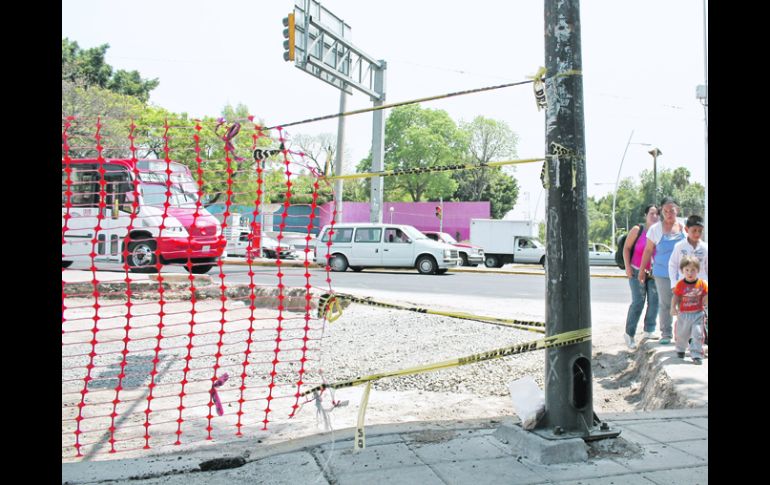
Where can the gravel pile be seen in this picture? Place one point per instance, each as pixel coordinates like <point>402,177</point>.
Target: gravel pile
<point>368,340</point>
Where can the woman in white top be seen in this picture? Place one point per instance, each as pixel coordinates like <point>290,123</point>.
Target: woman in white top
<point>661,239</point>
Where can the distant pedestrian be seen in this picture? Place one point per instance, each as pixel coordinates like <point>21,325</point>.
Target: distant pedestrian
<point>661,239</point>
<point>690,298</point>
<point>692,246</point>
<point>632,256</point>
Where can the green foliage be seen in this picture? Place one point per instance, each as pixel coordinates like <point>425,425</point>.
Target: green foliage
<point>501,192</point>
<point>417,137</point>
<point>633,197</point>
<point>86,68</point>
<point>488,140</point>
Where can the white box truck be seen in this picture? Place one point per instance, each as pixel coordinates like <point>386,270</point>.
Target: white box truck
<point>507,241</point>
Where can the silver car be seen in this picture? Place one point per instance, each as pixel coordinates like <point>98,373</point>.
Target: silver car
<point>600,255</point>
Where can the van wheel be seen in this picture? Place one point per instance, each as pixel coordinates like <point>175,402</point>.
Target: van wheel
<point>200,268</point>
<point>338,262</point>
<point>427,265</point>
<point>464,257</point>
<point>442,271</point>
<point>542,261</point>
<point>66,264</point>
<point>357,269</point>
<point>491,261</point>
<point>141,257</point>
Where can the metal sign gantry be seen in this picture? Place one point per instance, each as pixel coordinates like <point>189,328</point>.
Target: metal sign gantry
<point>320,45</point>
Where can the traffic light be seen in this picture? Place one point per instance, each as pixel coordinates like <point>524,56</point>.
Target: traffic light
<point>438,212</point>
<point>288,34</point>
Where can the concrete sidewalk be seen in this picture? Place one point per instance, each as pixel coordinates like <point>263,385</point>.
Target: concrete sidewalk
<point>661,447</point>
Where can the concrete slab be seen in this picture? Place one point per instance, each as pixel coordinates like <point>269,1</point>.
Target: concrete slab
<point>678,414</point>
<point>461,449</point>
<point>614,480</point>
<point>699,422</point>
<point>345,461</point>
<point>668,431</point>
<point>347,441</point>
<point>541,450</point>
<point>85,472</point>
<point>683,476</point>
<point>298,468</point>
<point>486,472</point>
<point>660,457</point>
<point>697,448</point>
<point>593,469</point>
<point>634,437</point>
<point>392,476</point>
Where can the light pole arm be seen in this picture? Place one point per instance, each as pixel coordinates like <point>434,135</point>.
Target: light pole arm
<point>615,194</point>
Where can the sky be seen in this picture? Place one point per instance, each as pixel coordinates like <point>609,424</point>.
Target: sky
<point>642,62</point>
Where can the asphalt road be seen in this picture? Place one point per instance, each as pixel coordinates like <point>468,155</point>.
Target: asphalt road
<point>497,285</point>
<point>488,284</point>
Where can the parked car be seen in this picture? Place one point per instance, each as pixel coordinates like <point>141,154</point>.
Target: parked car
<point>270,247</point>
<point>600,255</point>
<point>372,245</point>
<point>470,255</point>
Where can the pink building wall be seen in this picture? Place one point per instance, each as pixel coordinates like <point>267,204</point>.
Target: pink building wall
<point>422,215</point>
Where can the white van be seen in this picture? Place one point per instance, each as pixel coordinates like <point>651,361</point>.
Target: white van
<point>371,245</point>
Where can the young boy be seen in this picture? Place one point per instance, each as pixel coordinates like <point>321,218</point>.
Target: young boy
<point>690,296</point>
<point>693,246</point>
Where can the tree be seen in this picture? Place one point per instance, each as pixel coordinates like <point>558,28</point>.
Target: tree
<point>421,138</point>
<point>501,192</point>
<point>317,149</point>
<point>488,140</point>
<point>86,68</point>
<point>633,197</point>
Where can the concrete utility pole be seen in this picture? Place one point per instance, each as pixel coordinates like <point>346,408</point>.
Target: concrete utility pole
<point>568,389</point>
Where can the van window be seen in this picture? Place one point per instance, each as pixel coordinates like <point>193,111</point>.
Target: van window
<point>368,234</point>
<point>394,235</point>
<point>344,234</point>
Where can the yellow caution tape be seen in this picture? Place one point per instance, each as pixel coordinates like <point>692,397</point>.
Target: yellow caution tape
<point>442,168</point>
<point>360,442</point>
<point>559,340</point>
<point>571,72</point>
<point>329,307</point>
<point>539,87</point>
<point>326,301</point>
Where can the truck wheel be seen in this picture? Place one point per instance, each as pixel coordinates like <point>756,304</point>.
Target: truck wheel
<point>427,265</point>
<point>464,257</point>
<point>338,263</point>
<point>491,261</point>
<point>141,256</point>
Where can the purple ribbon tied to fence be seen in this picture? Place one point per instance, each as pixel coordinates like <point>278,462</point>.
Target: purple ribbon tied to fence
<point>215,396</point>
<point>232,130</point>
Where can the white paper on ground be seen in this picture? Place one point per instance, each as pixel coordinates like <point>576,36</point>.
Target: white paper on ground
<point>528,401</point>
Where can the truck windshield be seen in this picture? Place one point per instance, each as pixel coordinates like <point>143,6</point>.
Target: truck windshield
<point>184,190</point>
<point>446,237</point>
<point>155,195</point>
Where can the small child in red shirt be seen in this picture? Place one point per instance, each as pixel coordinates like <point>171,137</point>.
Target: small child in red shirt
<point>690,297</point>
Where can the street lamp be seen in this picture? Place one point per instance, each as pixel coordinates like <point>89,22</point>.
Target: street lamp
<point>391,214</point>
<point>617,180</point>
<point>655,152</point>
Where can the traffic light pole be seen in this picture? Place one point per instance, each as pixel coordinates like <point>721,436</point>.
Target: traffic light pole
<point>338,158</point>
<point>568,376</point>
<point>378,145</point>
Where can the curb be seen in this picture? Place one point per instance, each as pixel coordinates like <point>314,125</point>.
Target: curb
<point>297,264</point>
